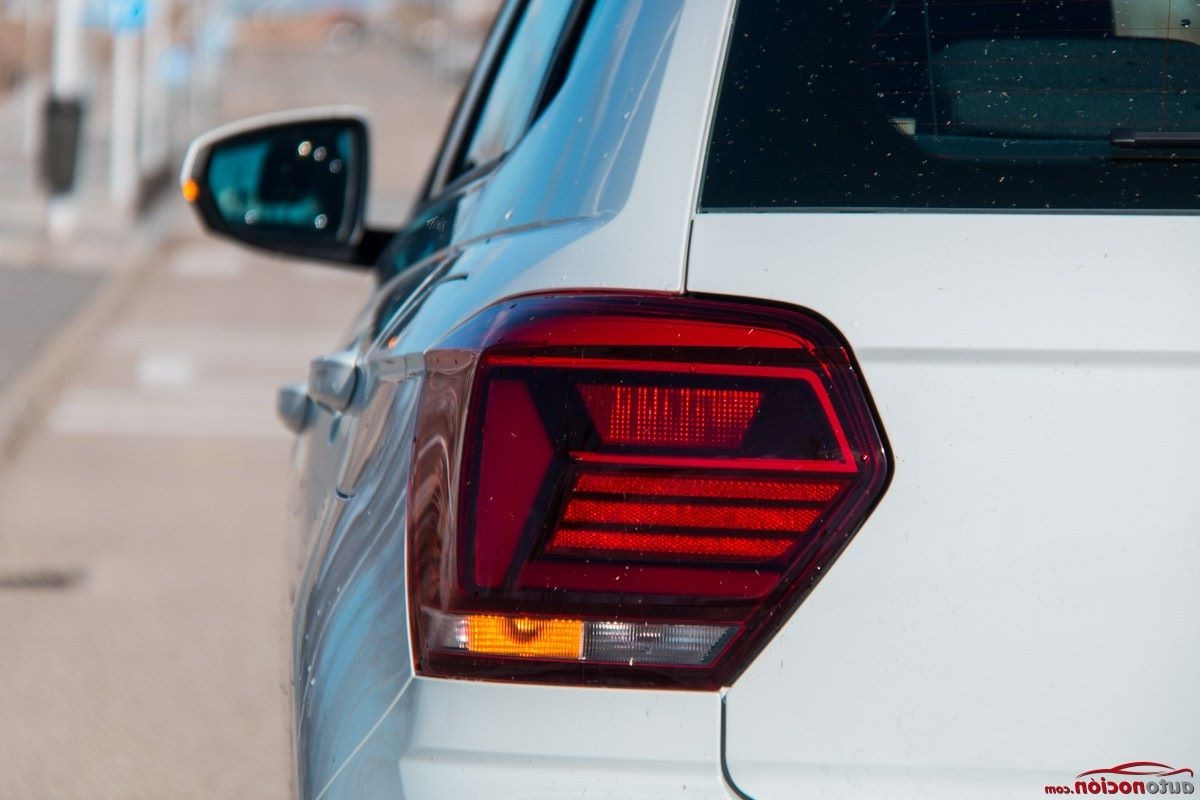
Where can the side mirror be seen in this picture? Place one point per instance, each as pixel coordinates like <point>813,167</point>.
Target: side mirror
<point>293,183</point>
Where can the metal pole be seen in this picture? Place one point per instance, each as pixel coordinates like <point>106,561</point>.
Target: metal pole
<point>207,64</point>
<point>195,21</point>
<point>33,87</point>
<point>124,176</point>
<point>154,90</point>
<point>64,120</point>
<point>68,69</point>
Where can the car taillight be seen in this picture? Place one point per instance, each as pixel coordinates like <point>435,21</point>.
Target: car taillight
<point>630,489</point>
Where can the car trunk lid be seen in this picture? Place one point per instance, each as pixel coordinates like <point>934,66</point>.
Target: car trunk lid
<point>1020,608</point>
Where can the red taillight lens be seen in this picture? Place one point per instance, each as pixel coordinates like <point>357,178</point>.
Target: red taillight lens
<point>630,490</point>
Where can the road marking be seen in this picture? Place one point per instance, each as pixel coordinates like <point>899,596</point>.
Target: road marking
<point>250,344</point>
<point>159,370</point>
<point>217,413</point>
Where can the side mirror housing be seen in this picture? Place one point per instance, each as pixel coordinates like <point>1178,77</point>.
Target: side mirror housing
<point>292,183</point>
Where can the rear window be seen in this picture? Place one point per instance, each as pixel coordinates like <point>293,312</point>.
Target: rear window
<point>959,104</point>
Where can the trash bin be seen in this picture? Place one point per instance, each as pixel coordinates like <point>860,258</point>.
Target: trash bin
<point>60,143</point>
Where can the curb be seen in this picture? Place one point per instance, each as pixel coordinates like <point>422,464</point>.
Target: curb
<point>32,391</point>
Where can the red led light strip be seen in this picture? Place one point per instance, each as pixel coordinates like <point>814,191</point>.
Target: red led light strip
<point>638,514</point>
<point>667,544</point>
<point>799,466</point>
<point>723,487</point>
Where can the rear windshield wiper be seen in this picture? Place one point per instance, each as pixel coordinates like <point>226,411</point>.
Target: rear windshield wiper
<point>1131,139</point>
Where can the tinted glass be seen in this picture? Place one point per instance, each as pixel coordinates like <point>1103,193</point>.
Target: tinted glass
<point>517,85</point>
<point>296,177</point>
<point>979,104</point>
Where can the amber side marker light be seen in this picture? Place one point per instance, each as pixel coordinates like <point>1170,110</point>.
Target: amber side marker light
<point>191,190</point>
<point>630,490</point>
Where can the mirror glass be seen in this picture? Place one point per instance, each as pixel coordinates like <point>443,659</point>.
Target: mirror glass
<point>303,179</point>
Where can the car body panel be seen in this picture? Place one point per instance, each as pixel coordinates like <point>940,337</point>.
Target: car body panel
<point>593,219</point>
<point>465,739</point>
<point>1022,604</point>
<point>1039,282</point>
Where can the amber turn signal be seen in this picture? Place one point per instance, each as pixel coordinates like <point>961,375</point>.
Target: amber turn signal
<point>191,190</point>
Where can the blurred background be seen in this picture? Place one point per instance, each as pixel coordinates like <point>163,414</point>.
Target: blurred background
<point>143,476</point>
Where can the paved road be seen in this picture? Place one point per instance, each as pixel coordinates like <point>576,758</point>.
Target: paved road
<point>142,526</point>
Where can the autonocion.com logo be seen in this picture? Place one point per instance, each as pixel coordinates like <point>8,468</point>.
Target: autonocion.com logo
<point>1136,777</point>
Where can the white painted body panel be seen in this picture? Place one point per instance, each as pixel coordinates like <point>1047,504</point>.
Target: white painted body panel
<point>1022,605</point>
<point>462,739</point>
<point>366,726</point>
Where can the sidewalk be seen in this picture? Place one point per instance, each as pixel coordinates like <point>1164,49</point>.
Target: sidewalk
<point>34,304</point>
<point>50,287</point>
<point>53,304</point>
<point>55,290</point>
<point>143,532</point>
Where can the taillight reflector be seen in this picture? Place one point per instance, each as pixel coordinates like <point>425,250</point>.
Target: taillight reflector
<point>670,416</point>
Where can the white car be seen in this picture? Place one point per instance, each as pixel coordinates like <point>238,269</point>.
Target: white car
<point>766,399</point>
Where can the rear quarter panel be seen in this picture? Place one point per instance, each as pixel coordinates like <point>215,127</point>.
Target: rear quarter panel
<point>599,194</point>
